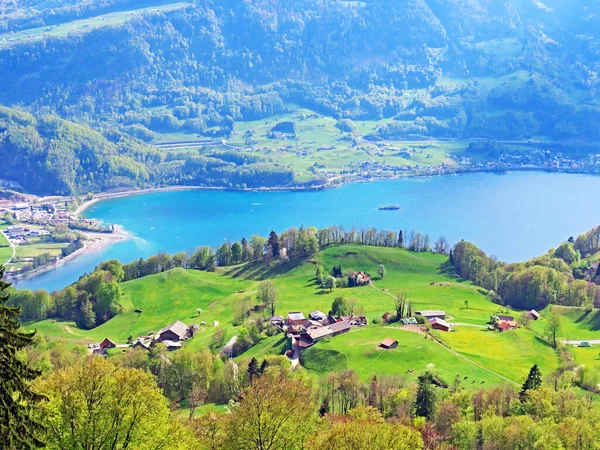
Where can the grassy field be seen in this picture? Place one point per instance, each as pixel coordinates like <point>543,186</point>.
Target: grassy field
<point>510,354</point>
<point>320,145</point>
<point>177,294</point>
<point>576,323</point>
<point>5,249</point>
<point>83,25</point>
<point>359,350</point>
<point>33,250</point>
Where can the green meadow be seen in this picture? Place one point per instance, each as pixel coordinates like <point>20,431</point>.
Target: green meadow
<point>359,350</point>
<point>5,249</point>
<point>152,302</point>
<point>576,323</point>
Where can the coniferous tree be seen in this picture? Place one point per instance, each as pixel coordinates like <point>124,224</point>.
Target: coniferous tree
<point>425,401</point>
<point>253,369</point>
<point>273,243</point>
<point>17,428</point>
<point>533,381</point>
<point>264,366</point>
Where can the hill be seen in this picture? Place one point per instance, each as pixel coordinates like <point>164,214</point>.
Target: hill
<point>504,70</point>
<point>176,295</point>
<point>48,155</point>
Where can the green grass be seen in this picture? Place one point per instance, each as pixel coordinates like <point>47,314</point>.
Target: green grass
<point>176,294</point>
<point>510,354</point>
<point>184,413</point>
<point>359,350</point>
<point>33,250</point>
<point>576,323</point>
<point>306,155</point>
<point>5,249</point>
<point>590,356</point>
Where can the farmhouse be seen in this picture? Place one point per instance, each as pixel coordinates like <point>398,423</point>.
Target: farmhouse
<point>533,314</point>
<point>276,321</point>
<point>432,314</point>
<point>440,324</point>
<point>505,318</point>
<point>359,279</point>
<point>99,352</point>
<point>505,325</point>
<point>176,331</point>
<point>296,318</point>
<point>355,321</point>
<point>388,343</point>
<point>315,334</point>
<point>107,343</point>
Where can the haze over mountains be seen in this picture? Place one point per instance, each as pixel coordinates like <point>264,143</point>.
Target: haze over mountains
<point>501,70</point>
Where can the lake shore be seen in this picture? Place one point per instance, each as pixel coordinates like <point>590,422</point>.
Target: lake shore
<point>93,243</point>
<point>333,183</point>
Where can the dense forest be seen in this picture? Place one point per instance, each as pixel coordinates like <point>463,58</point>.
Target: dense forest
<point>48,155</point>
<point>476,68</point>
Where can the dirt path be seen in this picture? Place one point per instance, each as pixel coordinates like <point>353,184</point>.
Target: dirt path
<point>295,359</point>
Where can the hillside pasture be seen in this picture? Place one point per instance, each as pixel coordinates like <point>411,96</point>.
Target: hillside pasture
<point>359,350</point>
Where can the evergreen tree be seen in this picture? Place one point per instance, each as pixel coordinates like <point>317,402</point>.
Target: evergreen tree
<point>264,366</point>
<point>273,243</point>
<point>451,257</point>
<point>17,429</point>
<point>253,369</point>
<point>533,381</point>
<point>425,401</point>
<point>401,239</point>
<point>373,392</point>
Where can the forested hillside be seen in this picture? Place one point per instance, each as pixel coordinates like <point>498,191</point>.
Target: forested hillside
<point>478,68</point>
<point>52,156</point>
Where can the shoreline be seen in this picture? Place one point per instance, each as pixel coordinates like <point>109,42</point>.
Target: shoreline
<point>343,180</point>
<point>94,242</point>
<point>97,241</point>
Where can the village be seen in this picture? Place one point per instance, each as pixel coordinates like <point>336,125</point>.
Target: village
<point>303,332</point>
<point>39,235</point>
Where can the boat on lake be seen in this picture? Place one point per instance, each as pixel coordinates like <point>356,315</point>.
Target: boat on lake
<point>389,208</point>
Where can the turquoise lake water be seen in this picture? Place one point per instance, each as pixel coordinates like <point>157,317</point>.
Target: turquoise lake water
<point>514,216</point>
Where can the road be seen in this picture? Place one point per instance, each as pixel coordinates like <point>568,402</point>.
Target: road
<point>577,342</point>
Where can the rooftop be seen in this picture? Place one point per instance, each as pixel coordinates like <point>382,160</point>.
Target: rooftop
<point>431,313</point>
<point>177,327</point>
<point>296,316</point>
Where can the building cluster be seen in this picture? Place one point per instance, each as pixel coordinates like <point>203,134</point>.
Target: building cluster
<point>171,336</point>
<point>17,234</point>
<point>306,332</point>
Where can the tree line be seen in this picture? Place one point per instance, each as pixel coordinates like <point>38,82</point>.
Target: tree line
<point>558,277</point>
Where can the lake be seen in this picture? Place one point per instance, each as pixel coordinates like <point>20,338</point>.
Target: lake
<point>514,216</point>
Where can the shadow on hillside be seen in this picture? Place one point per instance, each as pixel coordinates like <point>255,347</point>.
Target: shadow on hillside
<point>594,321</point>
<point>542,341</point>
<point>262,271</point>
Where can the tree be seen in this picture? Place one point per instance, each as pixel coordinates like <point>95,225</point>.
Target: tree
<point>17,427</point>
<point>365,429</point>
<point>533,381</point>
<point>401,239</point>
<point>273,243</point>
<point>236,253</point>
<point>95,402</point>
<point>553,328</point>
<point>267,294</point>
<point>258,246</point>
<point>329,283</point>
<point>253,370</point>
<point>274,413</point>
<point>381,271</point>
<point>400,303</point>
<point>426,398</point>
